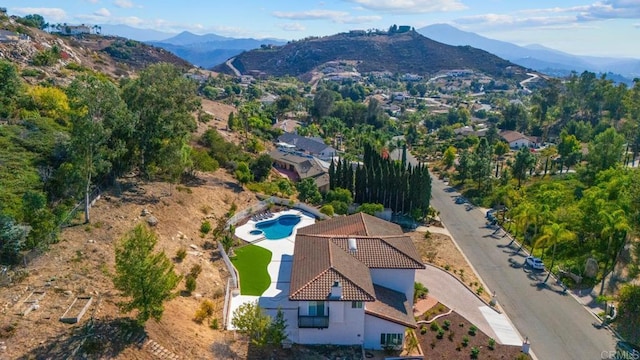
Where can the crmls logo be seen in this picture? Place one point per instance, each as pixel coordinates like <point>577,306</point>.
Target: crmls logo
<point>620,355</point>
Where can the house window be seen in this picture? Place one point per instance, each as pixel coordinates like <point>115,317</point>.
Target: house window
<point>356,304</point>
<point>316,308</point>
<point>391,339</point>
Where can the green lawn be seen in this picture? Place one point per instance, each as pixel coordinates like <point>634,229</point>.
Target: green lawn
<point>251,262</point>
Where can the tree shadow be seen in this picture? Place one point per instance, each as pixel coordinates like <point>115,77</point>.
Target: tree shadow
<point>223,350</point>
<point>96,339</point>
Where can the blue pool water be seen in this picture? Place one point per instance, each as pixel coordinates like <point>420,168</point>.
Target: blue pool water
<point>278,228</point>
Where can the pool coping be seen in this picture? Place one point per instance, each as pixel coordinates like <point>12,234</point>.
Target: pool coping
<point>279,248</point>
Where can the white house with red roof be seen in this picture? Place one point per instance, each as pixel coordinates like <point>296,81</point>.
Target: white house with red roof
<point>352,282</point>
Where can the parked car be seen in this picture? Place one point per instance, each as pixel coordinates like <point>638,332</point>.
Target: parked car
<point>534,262</point>
<point>460,200</point>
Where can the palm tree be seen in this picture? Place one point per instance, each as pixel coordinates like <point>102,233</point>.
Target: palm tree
<point>613,223</point>
<point>551,235</point>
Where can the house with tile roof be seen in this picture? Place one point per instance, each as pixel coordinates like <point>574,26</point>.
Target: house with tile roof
<point>298,166</point>
<point>309,145</point>
<point>352,281</point>
<point>517,140</point>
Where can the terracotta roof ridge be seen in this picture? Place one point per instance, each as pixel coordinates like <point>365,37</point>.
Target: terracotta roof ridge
<point>311,281</point>
<point>364,223</point>
<point>401,252</point>
<point>373,296</point>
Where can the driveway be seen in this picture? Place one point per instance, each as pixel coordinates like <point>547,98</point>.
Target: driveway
<point>450,292</point>
<point>557,326</point>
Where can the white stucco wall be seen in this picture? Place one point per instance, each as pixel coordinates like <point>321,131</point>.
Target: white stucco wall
<point>519,143</point>
<point>343,330</point>
<point>400,280</point>
<point>374,327</point>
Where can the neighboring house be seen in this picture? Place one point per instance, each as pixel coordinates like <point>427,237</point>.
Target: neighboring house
<point>77,29</point>
<point>352,279</point>
<point>298,166</point>
<point>468,130</point>
<point>311,146</point>
<point>517,140</point>
<point>287,125</point>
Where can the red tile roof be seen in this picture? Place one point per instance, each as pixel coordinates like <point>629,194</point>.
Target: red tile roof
<point>391,305</point>
<point>322,256</point>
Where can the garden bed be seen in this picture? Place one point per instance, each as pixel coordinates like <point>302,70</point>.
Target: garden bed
<point>452,337</point>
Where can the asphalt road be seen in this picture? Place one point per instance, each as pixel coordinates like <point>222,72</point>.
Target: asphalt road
<point>557,326</point>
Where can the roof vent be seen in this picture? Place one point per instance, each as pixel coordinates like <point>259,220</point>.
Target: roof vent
<point>353,246</point>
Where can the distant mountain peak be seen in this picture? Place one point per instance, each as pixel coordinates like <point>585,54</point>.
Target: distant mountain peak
<point>535,56</point>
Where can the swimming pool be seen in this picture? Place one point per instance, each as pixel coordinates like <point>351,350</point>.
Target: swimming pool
<point>280,227</point>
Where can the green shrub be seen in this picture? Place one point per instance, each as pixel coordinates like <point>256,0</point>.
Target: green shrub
<point>475,352</point>
<point>446,324</point>
<point>492,343</point>
<point>327,210</point>
<point>451,335</point>
<point>205,227</point>
<point>434,326</point>
<point>214,324</point>
<point>472,330</point>
<point>181,254</point>
<point>31,73</point>
<point>195,270</point>
<point>423,329</point>
<point>190,283</point>
<point>440,334</point>
<point>465,340</point>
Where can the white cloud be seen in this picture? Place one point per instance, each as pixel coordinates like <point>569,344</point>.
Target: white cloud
<point>506,21</point>
<point>311,15</point>
<point>103,12</point>
<point>611,9</point>
<point>410,6</point>
<point>637,25</point>
<point>49,14</point>
<point>292,27</point>
<point>338,17</point>
<point>123,4</point>
<point>358,19</point>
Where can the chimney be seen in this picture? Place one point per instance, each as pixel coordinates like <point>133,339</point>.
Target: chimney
<point>336,291</point>
<point>353,246</point>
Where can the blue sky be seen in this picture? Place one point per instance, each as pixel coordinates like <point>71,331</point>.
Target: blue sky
<point>584,27</point>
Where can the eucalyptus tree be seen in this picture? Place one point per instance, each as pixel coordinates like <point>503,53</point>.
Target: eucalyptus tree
<point>569,150</point>
<point>162,102</point>
<point>524,162</point>
<point>606,150</point>
<point>97,110</point>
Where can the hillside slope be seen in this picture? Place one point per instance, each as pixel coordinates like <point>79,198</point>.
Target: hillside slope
<point>398,53</point>
<point>114,56</point>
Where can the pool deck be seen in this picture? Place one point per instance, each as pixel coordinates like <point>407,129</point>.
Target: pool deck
<point>279,269</point>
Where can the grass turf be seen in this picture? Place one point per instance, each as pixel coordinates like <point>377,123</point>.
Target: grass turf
<point>251,262</point>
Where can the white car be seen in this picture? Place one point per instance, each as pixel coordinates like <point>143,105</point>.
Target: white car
<point>534,262</point>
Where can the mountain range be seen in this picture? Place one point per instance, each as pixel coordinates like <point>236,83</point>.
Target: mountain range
<point>536,57</point>
<point>398,53</point>
<point>210,49</point>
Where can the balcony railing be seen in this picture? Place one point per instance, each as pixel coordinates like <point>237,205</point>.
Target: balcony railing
<point>313,321</point>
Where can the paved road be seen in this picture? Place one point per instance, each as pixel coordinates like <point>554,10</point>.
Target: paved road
<point>557,326</point>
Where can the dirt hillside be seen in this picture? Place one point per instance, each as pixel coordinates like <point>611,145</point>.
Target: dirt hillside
<point>80,264</point>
